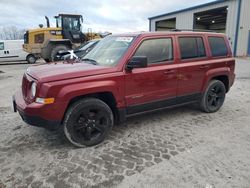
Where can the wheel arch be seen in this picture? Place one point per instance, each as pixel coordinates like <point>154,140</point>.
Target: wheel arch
<point>106,96</point>
<point>28,55</point>
<point>221,74</point>
<point>224,79</point>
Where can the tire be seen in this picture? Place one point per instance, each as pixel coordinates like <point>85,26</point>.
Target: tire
<point>47,60</point>
<point>31,59</point>
<point>88,122</point>
<point>55,50</point>
<point>214,96</point>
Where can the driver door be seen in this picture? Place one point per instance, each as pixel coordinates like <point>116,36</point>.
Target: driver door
<point>154,86</point>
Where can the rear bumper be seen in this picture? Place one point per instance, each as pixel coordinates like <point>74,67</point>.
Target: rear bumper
<point>22,108</point>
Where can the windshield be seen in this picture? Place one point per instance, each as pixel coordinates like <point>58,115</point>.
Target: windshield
<point>71,23</point>
<point>109,50</point>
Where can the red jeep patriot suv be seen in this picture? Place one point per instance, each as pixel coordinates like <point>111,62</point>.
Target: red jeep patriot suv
<point>125,75</point>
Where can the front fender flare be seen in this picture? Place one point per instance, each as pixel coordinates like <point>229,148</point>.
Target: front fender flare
<point>67,93</point>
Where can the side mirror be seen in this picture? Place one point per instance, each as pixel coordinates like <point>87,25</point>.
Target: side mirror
<point>137,62</point>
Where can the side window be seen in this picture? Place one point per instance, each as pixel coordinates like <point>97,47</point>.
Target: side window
<point>39,38</point>
<point>1,46</point>
<point>218,46</point>
<point>191,47</point>
<point>156,50</point>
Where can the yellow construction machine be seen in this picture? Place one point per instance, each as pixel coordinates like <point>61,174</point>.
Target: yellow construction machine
<point>47,42</point>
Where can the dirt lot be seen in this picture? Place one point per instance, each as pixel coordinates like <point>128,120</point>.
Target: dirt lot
<point>182,147</point>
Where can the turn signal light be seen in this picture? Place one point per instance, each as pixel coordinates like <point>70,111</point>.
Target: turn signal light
<point>45,100</point>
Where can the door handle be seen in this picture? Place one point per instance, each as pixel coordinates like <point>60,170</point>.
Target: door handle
<point>169,71</point>
<point>204,66</point>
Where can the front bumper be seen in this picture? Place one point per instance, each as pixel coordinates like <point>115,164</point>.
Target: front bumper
<point>23,109</point>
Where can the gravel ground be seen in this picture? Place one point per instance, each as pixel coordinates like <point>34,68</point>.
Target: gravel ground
<point>181,147</point>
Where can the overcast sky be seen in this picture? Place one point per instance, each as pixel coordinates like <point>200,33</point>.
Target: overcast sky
<point>115,16</point>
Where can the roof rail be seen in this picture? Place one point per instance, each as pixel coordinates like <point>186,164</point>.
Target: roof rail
<point>194,30</point>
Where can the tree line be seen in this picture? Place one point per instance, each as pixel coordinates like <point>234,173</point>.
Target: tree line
<point>11,33</point>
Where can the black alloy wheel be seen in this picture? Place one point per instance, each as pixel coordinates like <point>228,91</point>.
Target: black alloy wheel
<point>214,96</point>
<point>88,122</point>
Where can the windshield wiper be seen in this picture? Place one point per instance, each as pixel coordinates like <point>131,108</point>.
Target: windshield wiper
<point>91,61</point>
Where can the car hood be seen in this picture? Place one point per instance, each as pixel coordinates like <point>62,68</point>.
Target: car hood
<point>61,71</point>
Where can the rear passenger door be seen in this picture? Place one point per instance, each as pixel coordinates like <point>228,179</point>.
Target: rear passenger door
<point>193,65</point>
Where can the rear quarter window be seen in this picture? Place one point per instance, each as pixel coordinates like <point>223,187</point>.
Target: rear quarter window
<point>218,46</point>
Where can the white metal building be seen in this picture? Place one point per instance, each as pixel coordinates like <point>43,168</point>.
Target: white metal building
<point>226,16</point>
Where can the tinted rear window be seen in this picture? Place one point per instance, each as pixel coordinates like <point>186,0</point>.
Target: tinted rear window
<point>191,47</point>
<point>218,46</point>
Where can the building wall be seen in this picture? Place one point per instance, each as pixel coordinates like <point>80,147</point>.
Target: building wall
<point>185,20</point>
<point>244,28</point>
<point>232,21</point>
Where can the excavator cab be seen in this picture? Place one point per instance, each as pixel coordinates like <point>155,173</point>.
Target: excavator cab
<point>71,27</point>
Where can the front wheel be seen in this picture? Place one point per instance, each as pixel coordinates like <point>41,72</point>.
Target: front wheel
<point>214,96</point>
<point>88,122</point>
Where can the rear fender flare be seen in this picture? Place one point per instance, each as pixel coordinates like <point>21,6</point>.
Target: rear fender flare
<point>223,71</point>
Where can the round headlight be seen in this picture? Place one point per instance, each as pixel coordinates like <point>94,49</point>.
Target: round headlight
<point>33,89</point>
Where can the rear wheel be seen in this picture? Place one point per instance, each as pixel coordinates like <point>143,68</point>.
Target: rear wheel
<point>31,58</point>
<point>88,122</point>
<point>56,49</point>
<point>213,97</point>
